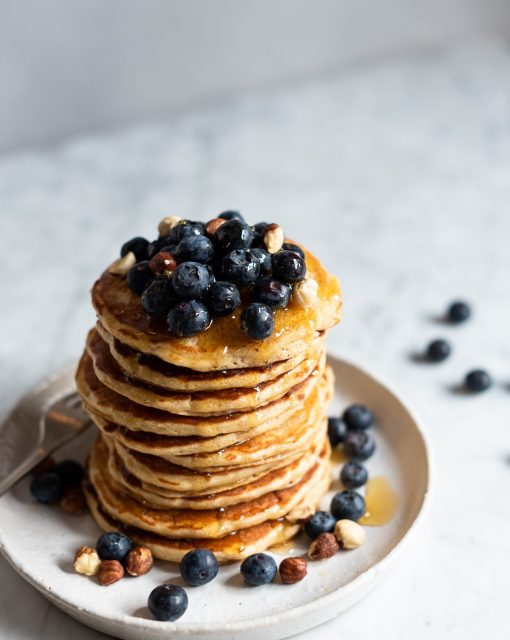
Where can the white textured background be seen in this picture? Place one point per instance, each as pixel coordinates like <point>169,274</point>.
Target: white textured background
<point>398,175</point>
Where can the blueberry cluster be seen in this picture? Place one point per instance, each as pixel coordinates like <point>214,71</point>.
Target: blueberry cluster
<point>195,272</point>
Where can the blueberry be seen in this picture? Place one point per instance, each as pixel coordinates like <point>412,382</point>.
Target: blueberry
<point>359,445</point>
<point>138,246</point>
<point>240,267</point>
<point>139,276</point>
<point>161,244</point>
<point>257,321</point>
<point>320,522</point>
<point>337,431</point>
<point>264,259</point>
<point>196,248</point>
<point>358,417</point>
<point>477,380</point>
<point>274,293</point>
<point>158,297</point>
<point>258,569</point>
<point>289,246</point>
<point>234,234</point>
<point>259,227</point>
<point>187,318</point>
<point>257,233</point>
<point>69,471</point>
<point>353,475</point>
<point>222,298</point>
<point>231,215</point>
<point>190,280</point>
<point>184,229</point>
<point>288,266</point>
<point>47,488</point>
<point>199,567</point>
<point>348,505</point>
<point>167,602</point>
<point>458,312</point>
<point>113,546</point>
<point>438,350</point>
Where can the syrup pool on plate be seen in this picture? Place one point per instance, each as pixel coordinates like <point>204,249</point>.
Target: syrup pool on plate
<point>381,502</point>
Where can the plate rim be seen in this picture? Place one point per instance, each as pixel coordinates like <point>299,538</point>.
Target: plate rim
<point>319,603</point>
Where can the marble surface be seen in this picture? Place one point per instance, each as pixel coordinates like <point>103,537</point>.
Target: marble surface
<point>398,175</point>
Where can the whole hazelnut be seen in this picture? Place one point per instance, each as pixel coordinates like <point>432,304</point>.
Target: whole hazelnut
<point>163,264</point>
<point>323,546</point>
<point>167,224</point>
<point>305,293</point>
<point>292,570</point>
<point>139,561</point>
<point>212,226</point>
<point>273,238</point>
<point>73,500</point>
<point>110,571</point>
<point>122,265</point>
<point>87,561</point>
<point>350,534</point>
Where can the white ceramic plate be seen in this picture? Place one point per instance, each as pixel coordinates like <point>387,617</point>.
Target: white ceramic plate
<point>40,541</point>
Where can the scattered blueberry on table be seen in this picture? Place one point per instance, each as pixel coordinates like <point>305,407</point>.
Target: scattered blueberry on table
<point>254,265</point>
<point>458,312</point>
<point>438,350</point>
<point>199,567</point>
<point>167,602</point>
<point>477,381</point>
<point>258,569</point>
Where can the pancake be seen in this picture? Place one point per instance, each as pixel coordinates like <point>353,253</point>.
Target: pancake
<point>171,446</point>
<point>198,403</point>
<point>235,546</point>
<point>152,370</point>
<point>211,523</point>
<point>272,481</point>
<point>224,345</point>
<point>123,411</point>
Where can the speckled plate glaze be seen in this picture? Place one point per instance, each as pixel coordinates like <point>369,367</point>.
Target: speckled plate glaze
<point>40,541</point>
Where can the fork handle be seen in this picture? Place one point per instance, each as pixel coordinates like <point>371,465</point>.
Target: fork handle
<point>22,469</point>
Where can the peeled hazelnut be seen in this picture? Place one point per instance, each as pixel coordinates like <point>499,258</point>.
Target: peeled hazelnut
<point>110,571</point>
<point>273,238</point>
<point>87,561</point>
<point>292,570</point>
<point>323,546</point>
<point>212,226</point>
<point>139,561</point>
<point>121,266</point>
<point>349,534</point>
<point>305,293</point>
<point>163,263</point>
<point>73,500</point>
<point>167,224</point>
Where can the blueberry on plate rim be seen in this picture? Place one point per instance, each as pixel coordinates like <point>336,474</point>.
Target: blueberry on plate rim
<point>167,602</point>
<point>348,505</point>
<point>199,566</point>
<point>258,569</point>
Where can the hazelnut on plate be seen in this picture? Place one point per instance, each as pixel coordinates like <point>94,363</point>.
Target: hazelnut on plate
<point>350,534</point>
<point>292,570</point>
<point>110,571</point>
<point>324,546</point>
<point>87,561</point>
<point>139,561</point>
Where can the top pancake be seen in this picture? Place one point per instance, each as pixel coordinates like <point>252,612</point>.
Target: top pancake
<point>224,345</point>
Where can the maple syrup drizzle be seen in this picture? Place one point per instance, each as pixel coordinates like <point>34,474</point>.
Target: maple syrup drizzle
<point>381,502</point>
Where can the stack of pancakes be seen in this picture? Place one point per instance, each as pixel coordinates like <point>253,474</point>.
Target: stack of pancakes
<point>216,440</point>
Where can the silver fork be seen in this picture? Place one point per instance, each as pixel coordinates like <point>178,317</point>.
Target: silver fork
<point>62,422</point>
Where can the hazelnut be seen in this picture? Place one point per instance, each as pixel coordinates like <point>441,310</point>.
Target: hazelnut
<point>212,226</point>
<point>73,500</point>
<point>121,266</point>
<point>292,570</point>
<point>323,546</point>
<point>139,561</point>
<point>162,264</point>
<point>273,238</point>
<point>350,534</point>
<point>110,571</point>
<point>87,561</point>
<point>305,293</point>
<point>167,224</point>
